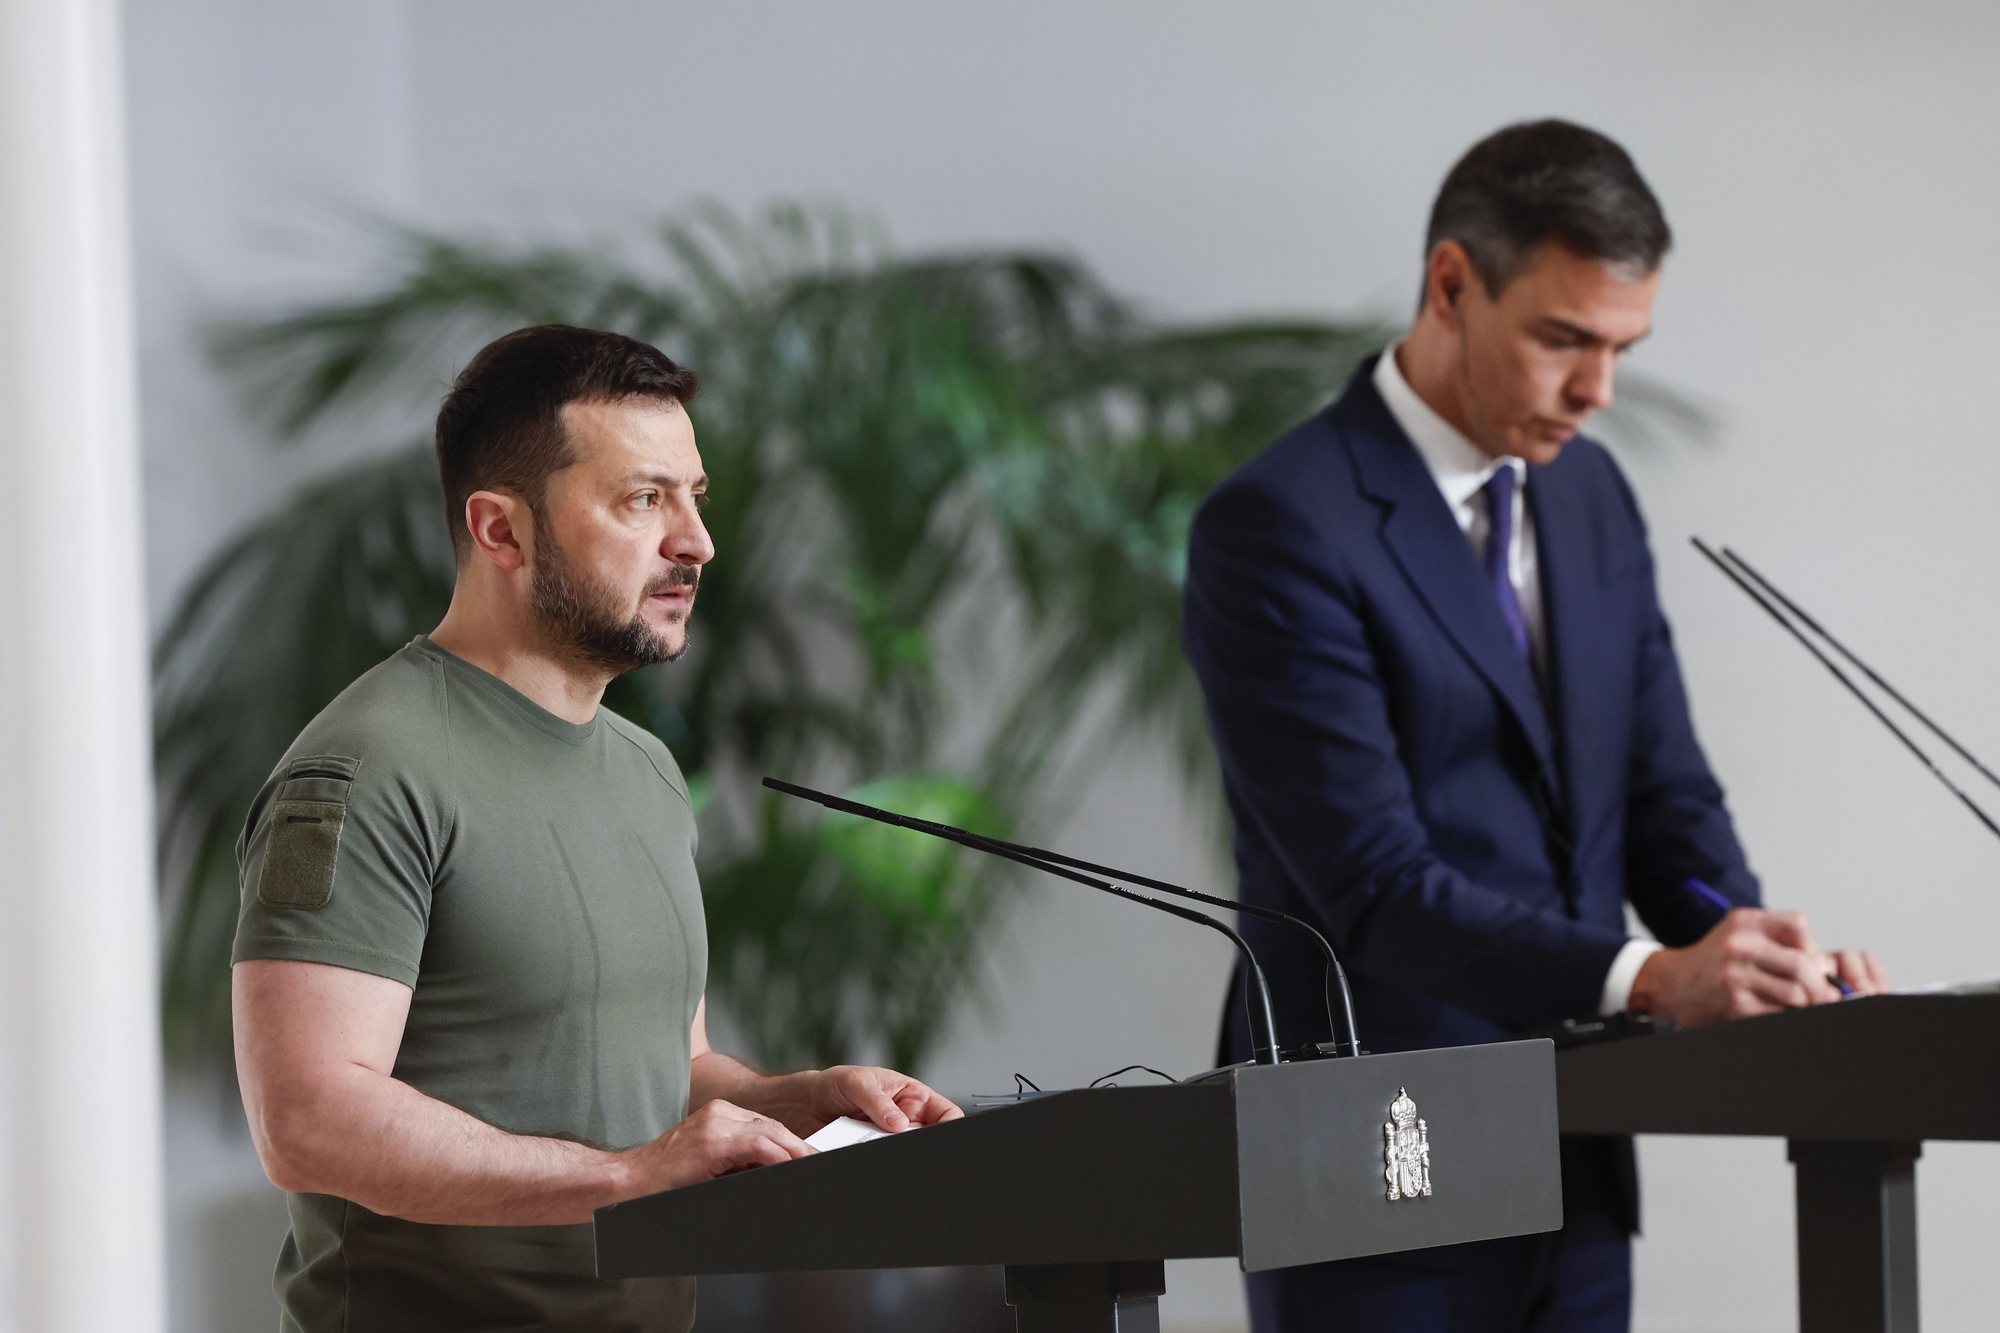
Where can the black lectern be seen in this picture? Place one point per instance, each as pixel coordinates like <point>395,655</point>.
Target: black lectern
<point>1856,1088</point>
<point>1082,1195</point>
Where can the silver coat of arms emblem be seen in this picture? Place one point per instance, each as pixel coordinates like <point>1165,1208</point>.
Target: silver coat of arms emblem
<point>1406,1150</point>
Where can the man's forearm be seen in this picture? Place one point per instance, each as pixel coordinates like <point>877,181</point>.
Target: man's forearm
<point>786,1098</point>
<point>377,1141</point>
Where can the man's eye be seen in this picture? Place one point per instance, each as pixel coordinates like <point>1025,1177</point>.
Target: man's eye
<point>701,499</point>
<point>647,499</point>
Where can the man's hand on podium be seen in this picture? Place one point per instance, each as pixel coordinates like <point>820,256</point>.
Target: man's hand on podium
<point>717,1138</point>
<point>1859,970</point>
<point>1752,962</point>
<point>883,1097</point>
<point>742,1117</point>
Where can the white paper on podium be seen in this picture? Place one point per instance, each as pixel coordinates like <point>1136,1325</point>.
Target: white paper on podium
<point>843,1132</point>
<point>1986,987</point>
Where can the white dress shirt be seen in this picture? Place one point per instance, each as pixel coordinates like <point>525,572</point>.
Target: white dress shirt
<point>1461,470</point>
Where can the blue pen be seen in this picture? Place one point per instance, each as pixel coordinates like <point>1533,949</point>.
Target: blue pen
<point>1723,905</point>
<point>1709,896</point>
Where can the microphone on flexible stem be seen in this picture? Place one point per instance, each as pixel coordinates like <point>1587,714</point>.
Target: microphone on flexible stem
<point>1264,1030</point>
<point>1339,1000</point>
<point>1761,591</point>
<point>1799,613</point>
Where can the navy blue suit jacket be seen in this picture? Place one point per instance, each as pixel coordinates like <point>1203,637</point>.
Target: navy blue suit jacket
<point>1466,837</point>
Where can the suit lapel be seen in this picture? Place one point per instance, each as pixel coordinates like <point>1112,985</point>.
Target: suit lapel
<point>1571,597</point>
<point>1424,539</point>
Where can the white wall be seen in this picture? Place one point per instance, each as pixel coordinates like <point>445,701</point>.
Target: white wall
<point>1826,166</point>
<point>263,137</point>
<point>79,1056</point>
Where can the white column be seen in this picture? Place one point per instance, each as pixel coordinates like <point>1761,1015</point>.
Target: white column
<point>80,1066</point>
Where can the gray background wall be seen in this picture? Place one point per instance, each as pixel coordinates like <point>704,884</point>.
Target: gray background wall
<point>1827,166</point>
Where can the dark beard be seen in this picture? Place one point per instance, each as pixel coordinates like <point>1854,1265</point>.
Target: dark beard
<point>582,617</point>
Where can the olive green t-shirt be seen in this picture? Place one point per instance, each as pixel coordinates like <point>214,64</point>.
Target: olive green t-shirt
<point>532,881</point>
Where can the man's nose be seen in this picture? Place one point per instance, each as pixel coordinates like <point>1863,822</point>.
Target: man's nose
<point>688,543</point>
<point>1590,386</point>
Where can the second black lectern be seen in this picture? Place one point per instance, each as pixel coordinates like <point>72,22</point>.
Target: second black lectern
<point>1083,1195</point>
<point>1856,1087</point>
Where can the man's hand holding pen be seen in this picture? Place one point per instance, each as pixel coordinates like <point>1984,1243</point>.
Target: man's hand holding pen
<point>1751,962</point>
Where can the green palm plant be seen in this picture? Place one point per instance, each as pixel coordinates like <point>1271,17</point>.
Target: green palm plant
<point>950,496</point>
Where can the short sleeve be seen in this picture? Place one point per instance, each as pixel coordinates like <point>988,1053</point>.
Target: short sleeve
<point>336,861</point>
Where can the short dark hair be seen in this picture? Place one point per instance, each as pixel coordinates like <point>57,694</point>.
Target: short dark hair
<point>500,426</point>
<point>1547,180</point>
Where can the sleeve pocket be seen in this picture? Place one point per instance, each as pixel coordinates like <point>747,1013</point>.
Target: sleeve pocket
<point>300,857</point>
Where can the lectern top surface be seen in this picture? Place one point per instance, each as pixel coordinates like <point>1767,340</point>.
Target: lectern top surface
<point>1269,1164</point>
<point>1891,1068</point>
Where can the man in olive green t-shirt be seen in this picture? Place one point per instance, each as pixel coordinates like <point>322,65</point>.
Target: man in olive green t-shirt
<point>470,958</point>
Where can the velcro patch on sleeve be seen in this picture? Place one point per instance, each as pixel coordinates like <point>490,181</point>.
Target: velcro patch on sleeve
<point>300,856</point>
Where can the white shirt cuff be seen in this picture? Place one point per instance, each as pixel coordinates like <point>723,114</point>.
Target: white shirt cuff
<point>1624,971</point>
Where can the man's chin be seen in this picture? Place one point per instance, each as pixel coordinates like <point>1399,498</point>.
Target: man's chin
<point>669,640</point>
<point>668,630</point>
<point>1542,447</point>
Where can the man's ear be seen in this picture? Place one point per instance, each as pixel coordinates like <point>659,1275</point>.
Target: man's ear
<point>501,526</point>
<point>1446,276</point>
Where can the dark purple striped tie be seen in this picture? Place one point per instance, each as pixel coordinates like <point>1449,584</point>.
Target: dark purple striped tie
<point>1499,492</point>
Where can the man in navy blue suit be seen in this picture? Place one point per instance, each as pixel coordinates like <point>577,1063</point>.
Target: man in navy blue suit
<point>1452,728</point>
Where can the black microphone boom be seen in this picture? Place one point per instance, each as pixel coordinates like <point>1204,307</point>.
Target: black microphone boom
<point>1800,614</point>
<point>1340,1021</point>
<point>1263,1025</point>
<point>1743,579</point>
